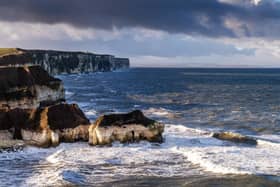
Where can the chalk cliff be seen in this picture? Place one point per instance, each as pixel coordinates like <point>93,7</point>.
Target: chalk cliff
<point>60,62</point>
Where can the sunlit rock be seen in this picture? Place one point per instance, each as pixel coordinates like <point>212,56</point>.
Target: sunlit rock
<point>131,127</point>
<point>28,88</point>
<point>48,126</point>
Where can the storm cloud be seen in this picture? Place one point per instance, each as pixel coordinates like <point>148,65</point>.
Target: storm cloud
<point>211,18</point>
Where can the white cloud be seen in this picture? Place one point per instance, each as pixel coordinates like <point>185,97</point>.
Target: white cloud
<point>147,47</point>
<point>18,31</point>
<point>235,61</point>
<point>242,2</point>
<point>256,2</point>
<point>262,46</point>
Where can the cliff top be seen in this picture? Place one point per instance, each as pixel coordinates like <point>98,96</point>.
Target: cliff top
<point>9,51</point>
<point>16,51</point>
<point>12,77</point>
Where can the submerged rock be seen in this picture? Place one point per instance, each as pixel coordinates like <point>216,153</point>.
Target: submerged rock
<point>28,88</point>
<point>234,137</point>
<point>130,127</point>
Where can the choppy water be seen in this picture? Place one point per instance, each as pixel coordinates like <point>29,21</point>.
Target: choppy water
<point>193,103</point>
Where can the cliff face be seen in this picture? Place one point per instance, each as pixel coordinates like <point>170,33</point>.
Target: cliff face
<point>59,62</point>
<point>33,109</point>
<point>28,87</point>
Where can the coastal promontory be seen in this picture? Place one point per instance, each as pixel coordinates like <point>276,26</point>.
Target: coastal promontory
<point>62,62</point>
<point>34,111</point>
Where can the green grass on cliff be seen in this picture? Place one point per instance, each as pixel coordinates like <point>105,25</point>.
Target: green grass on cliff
<point>8,51</point>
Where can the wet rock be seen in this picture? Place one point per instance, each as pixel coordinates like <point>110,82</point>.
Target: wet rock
<point>48,126</point>
<point>236,138</point>
<point>28,87</point>
<point>32,109</point>
<point>130,127</point>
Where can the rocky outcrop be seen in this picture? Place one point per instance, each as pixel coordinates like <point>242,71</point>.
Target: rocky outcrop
<point>131,127</point>
<point>28,87</point>
<point>32,109</point>
<point>234,137</point>
<point>59,62</point>
<point>48,126</point>
<point>33,112</point>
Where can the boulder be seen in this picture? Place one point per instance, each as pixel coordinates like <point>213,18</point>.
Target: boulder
<point>28,87</point>
<point>234,137</point>
<point>48,126</point>
<point>130,127</point>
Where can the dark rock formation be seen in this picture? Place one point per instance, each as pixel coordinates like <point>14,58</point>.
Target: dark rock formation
<point>32,109</point>
<point>234,137</point>
<point>46,126</point>
<point>28,87</point>
<point>58,62</point>
<point>129,127</point>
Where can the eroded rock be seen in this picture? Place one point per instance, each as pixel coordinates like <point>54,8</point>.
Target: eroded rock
<point>130,127</point>
<point>48,126</point>
<point>234,137</point>
<point>28,88</point>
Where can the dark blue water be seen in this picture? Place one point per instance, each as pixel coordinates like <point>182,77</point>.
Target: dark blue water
<point>242,100</point>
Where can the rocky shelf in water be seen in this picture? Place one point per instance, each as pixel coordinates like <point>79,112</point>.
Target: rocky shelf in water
<point>33,112</point>
<point>62,62</point>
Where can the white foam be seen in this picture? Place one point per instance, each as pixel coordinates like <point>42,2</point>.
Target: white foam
<point>182,152</point>
<point>143,159</point>
<point>68,94</point>
<point>221,157</point>
<point>91,112</point>
<point>160,112</point>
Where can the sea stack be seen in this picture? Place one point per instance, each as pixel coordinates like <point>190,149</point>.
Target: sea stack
<point>130,127</point>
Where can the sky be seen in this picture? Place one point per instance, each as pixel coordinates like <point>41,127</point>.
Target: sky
<point>152,33</point>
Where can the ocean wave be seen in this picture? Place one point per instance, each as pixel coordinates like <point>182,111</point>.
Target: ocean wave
<point>91,113</point>
<point>223,157</point>
<point>185,152</point>
<point>161,112</point>
<point>69,94</point>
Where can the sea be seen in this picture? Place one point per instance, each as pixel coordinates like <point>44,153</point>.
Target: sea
<point>193,103</point>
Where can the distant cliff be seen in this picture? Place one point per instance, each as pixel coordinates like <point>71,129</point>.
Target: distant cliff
<point>62,62</point>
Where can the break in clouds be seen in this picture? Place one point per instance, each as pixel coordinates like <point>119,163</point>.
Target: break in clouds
<point>211,18</point>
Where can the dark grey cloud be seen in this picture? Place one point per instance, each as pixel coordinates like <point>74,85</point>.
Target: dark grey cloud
<point>196,17</point>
